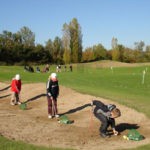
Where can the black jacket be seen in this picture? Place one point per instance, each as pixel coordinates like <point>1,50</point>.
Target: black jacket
<point>102,109</point>
<point>52,88</point>
<point>100,105</point>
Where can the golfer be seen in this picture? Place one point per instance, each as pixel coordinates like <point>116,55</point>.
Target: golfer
<point>106,114</point>
<point>15,90</point>
<point>52,88</point>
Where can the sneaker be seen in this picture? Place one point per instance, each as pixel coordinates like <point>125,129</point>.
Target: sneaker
<point>104,135</point>
<point>57,116</point>
<point>50,116</point>
<point>12,104</point>
<point>19,103</point>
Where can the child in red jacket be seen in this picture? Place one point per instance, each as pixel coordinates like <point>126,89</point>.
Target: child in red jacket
<point>15,90</point>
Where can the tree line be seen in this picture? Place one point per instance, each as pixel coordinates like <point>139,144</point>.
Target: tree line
<point>20,48</point>
<point>118,52</point>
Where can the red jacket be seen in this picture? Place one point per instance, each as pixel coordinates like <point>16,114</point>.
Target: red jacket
<point>16,85</point>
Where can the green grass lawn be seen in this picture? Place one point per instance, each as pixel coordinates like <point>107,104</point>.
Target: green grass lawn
<point>6,144</point>
<point>122,84</point>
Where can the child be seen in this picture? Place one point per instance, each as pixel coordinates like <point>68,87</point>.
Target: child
<point>15,90</point>
<point>52,94</point>
<point>106,114</point>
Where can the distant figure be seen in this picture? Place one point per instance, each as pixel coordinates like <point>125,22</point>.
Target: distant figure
<point>52,89</point>
<point>70,68</point>
<point>59,66</point>
<point>46,68</point>
<point>15,90</point>
<point>31,69</point>
<point>37,69</point>
<point>65,68</point>
<point>28,68</point>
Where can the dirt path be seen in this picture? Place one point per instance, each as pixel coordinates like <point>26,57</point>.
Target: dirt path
<point>34,127</point>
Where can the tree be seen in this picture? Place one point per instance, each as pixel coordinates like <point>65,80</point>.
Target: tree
<point>114,43</point>
<point>40,54</point>
<point>27,37</point>
<point>128,56</point>
<point>72,42</point>
<point>57,50</point>
<point>121,50</point>
<point>66,44</point>
<point>99,52</point>
<point>6,44</point>
<point>147,53</point>
<point>88,55</point>
<point>139,45</point>
<point>115,50</point>
<point>75,41</point>
<point>49,49</point>
<point>115,54</point>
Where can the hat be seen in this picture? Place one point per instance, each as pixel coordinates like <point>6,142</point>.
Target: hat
<point>17,77</point>
<point>53,75</point>
<point>111,107</point>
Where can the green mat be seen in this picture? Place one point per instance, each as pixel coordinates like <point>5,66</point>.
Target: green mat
<point>133,134</point>
<point>23,106</point>
<point>65,120</point>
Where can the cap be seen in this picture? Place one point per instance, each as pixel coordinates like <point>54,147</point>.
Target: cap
<point>17,77</point>
<point>53,75</point>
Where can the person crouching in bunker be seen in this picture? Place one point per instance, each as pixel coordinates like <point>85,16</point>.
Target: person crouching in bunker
<point>106,114</point>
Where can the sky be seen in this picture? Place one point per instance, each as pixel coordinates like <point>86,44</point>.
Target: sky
<point>100,20</point>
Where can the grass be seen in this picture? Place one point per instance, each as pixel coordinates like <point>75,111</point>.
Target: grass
<point>144,147</point>
<point>6,144</point>
<point>122,84</point>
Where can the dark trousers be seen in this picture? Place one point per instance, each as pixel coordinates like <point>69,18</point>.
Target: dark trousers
<point>52,106</point>
<point>15,97</point>
<point>104,122</point>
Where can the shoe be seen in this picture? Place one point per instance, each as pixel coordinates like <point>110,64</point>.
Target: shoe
<point>50,116</point>
<point>104,135</point>
<point>12,104</point>
<point>57,116</point>
<point>19,103</point>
